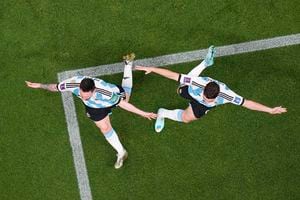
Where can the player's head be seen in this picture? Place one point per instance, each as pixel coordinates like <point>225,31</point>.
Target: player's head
<point>87,87</point>
<point>211,91</point>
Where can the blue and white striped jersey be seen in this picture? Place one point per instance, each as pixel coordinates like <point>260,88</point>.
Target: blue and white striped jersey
<point>196,89</point>
<point>105,95</point>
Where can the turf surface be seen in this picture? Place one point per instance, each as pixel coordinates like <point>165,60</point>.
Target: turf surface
<point>231,154</point>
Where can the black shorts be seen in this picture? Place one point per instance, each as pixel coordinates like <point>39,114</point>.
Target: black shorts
<point>97,114</point>
<point>199,109</point>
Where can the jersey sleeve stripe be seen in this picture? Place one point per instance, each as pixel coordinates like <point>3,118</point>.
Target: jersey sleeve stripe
<point>72,85</point>
<point>179,78</point>
<point>105,92</point>
<point>242,102</point>
<point>225,96</point>
<point>197,84</point>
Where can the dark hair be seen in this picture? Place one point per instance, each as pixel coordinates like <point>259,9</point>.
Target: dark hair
<point>211,90</point>
<point>87,85</point>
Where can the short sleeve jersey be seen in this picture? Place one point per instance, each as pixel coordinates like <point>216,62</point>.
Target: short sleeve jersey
<point>196,88</point>
<point>105,95</point>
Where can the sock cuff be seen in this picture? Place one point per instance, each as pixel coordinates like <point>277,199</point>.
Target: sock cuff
<point>109,133</point>
<point>128,63</point>
<point>179,115</point>
<point>127,90</point>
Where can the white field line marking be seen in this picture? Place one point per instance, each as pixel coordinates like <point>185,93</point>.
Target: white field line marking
<point>191,56</point>
<point>75,141</point>
<point>68,102</point>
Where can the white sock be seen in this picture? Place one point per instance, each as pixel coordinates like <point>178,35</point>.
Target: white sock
<point>113,139</point>
<point>198,69</point>
<point>127,78</point>
<point>175,115</point>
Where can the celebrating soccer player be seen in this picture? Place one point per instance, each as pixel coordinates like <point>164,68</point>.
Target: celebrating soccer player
<point>99,98</point>
<point>204,94</point>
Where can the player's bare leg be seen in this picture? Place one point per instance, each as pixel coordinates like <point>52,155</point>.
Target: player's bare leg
<point>112,138</point>
<point>188,115</point>
<point>208,61</point>
<point>185,116</point>
<point>162,113</point>
<point>127,81</point>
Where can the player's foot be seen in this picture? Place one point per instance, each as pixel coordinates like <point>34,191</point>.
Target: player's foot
<point>121,159</point>
<point>129,58</point>
<point>209,59</point>
<point>160,121</point>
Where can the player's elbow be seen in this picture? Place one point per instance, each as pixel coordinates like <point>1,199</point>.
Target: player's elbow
<point>251,105</point>
<point>247,103</point>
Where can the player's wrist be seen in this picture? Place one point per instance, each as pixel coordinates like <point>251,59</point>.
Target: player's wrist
<point>270,110</point>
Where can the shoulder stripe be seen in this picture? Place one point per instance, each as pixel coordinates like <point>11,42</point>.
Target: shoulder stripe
<point>105,92</point>
<point>197,84</point>
<point>225,96</point>
<point>179,77</point>
<point>72,85</point>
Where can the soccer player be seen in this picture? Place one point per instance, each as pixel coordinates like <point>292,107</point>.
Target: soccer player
<point>204,94</point>
<point>99,97</point>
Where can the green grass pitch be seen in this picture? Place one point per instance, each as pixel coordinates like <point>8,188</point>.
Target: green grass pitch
<point>232,153</point>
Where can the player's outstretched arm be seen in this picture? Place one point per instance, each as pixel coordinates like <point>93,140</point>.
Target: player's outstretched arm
<point>252,105</point>
<point>131,108</point>
<point>49,87</point>
<point>163,72</point>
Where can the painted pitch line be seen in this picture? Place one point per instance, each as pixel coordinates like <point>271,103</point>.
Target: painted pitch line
<point>75,141</point>
<point>68,101</point>
<point>191,56</point>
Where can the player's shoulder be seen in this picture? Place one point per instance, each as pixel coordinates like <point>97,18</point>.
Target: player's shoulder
<point>204,80</point>
<point>103,84</point>
<point>224,89</point>
<point>223,86</point>
<point>75,79</point>
<point>96,80</point>
<point>199,81</point>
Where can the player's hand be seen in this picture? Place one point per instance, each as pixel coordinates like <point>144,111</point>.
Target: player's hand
<point>147,70</point>
<point>278,110</point>
<point>149,116</point>
<point>32,85</point>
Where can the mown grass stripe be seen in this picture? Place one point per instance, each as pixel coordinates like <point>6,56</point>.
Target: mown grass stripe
<point>69,107</point>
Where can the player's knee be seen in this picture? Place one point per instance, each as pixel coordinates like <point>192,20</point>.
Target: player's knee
<point>186,121</point>
<point>104,128</point>
<point>185,118</point>
<point>127,97</point>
